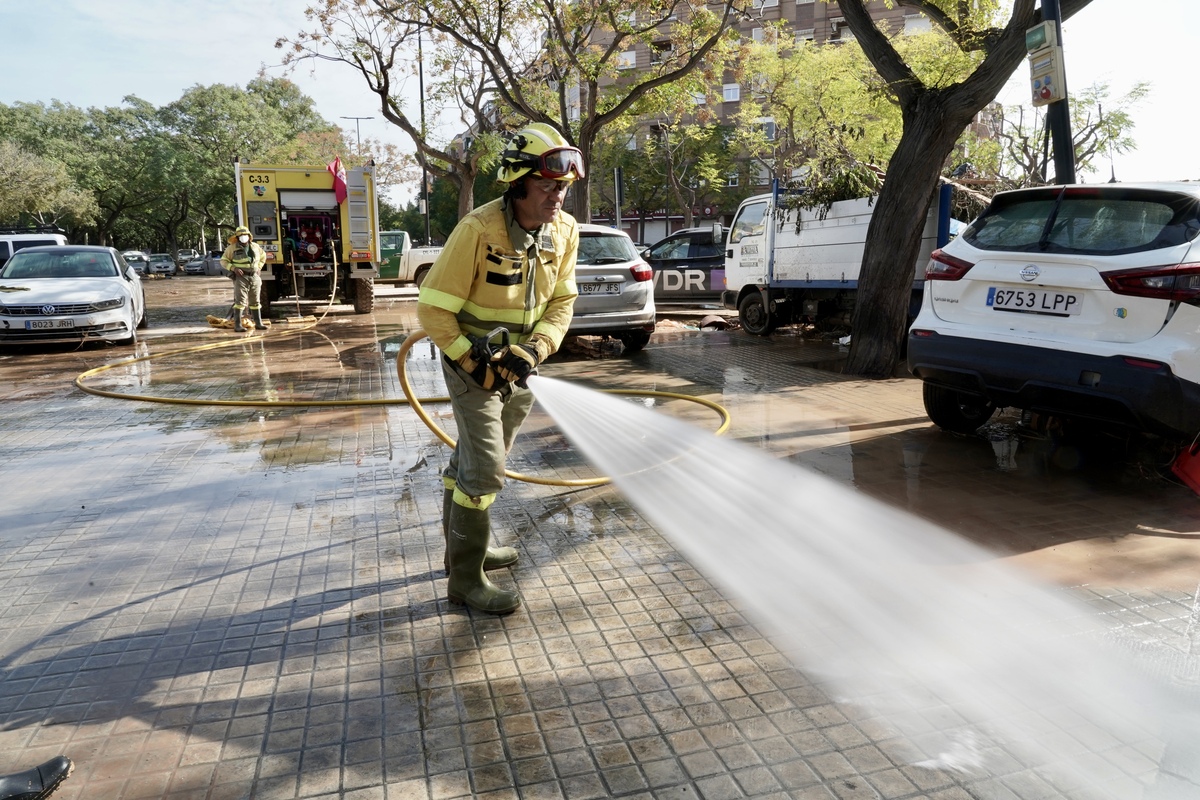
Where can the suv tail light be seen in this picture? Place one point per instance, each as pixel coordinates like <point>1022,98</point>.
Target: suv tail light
<point>641,271</point>
<point>1180,282</point>
<point>944,267</point>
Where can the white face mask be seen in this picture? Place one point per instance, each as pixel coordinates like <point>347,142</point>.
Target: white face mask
<point>244,239</point>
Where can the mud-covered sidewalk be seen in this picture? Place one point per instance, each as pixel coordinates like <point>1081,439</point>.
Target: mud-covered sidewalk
<point>224,601</point>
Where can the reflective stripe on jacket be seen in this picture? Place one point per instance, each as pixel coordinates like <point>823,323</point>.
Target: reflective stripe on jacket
<point>236,257</point>
<point>480,282</point>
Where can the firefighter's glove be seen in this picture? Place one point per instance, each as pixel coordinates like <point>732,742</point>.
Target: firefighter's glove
<point>517,362</point>
<point>480,371</point>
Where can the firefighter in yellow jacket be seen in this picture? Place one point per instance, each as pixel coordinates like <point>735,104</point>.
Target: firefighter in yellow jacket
<point>509,263</point>
<point>244,259</point>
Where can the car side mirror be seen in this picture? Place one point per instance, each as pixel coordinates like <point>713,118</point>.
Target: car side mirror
<point>718,233</point>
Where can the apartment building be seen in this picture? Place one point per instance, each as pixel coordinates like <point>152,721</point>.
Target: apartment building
<point>808,20</point>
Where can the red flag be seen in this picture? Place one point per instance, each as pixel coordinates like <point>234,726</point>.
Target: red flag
<point>339,178</point>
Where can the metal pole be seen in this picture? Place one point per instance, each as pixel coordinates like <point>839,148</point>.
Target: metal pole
<point>357,132</point>
<point>617,186</point>
<point>421,90</point>
<point>1058,114</point>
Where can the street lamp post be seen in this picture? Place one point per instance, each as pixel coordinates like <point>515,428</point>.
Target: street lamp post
<point>357,132</point>
<point>421,92</point>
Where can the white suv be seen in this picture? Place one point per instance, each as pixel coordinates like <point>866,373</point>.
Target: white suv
<point>14,239</point>
<point>1072,301</point>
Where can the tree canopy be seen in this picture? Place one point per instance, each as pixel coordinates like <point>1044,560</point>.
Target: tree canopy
<point>137,176</point>
<point>504,63</point>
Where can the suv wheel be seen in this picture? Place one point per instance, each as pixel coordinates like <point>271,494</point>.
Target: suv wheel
<point>955,411</point>
<point>634,340</point>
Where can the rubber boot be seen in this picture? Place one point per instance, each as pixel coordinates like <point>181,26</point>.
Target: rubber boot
<point>496,558</point>
<point>36,783</point>
<point>470,530</point>
<point>256,314</point>
<point>237,320</point>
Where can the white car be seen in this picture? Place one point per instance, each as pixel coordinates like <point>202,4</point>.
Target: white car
<point>1076,302</point>
<point>162,264</point>
<point>70,294</point>
<point>616,288</point>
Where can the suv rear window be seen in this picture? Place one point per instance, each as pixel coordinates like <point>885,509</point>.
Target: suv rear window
<point>1092,221</point>
<point>605,249</point>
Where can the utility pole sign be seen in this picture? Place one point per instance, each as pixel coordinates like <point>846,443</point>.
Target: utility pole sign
<point>1048,83</point>
<point>1047,75</point>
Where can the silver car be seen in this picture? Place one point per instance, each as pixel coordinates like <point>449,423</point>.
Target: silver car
<point>162,264</point>
<point>616,288</point>
<point>138,260</point>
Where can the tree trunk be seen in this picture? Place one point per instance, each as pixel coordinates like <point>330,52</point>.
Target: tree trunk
<point>581,201</point>
<point>466,194</point>
<point>894,237</point>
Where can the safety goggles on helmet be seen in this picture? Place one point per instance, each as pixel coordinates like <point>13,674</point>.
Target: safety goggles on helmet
<point>555,164</point>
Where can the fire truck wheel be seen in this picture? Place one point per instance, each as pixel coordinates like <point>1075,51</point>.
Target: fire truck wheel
<point>364,295</point>
<point>265,297</point>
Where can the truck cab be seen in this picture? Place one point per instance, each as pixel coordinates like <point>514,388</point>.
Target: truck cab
<point>400,262</point>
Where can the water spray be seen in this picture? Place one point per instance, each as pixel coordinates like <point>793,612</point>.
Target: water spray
<point>970,661</point>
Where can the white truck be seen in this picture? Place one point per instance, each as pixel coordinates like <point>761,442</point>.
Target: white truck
<point>780,269</point>
<point>400,262</point>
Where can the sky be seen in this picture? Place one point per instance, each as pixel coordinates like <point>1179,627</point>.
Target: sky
<point>95,52</point>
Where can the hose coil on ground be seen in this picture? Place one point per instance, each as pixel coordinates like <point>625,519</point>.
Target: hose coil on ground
<point>410,398</point>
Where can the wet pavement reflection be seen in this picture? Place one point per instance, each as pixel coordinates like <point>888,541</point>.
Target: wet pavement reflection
<point>226,601</point>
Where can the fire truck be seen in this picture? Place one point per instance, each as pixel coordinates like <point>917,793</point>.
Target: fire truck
<point>320,230</point>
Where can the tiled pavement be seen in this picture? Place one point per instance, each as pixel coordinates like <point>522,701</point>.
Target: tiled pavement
<point>226,602</point>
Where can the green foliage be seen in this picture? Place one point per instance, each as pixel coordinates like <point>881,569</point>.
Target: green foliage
<point>830,181</point>
<point>157,177</point>
<point>36,189</point>
<point>1101,127</point>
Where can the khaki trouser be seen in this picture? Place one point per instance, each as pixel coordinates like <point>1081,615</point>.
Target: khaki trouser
<point>247,287</point>
<point>488,423</point>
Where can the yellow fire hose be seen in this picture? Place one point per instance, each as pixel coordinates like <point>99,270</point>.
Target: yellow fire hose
<point>517,476</point>
<point>405,386</point>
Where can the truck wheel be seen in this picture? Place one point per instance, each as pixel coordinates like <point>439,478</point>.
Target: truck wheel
<point>754,316</point>
<point>956,411</point>
<point>364,295</point>
<point>419,278</point>
<point>267,296</point>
